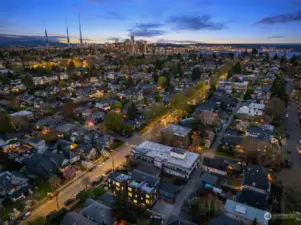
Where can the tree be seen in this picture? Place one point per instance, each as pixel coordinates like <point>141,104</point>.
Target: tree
<point>155,75</point>
<point>98,191</point>
<point>117,105</point>
<point>148,115</point>
<point>179,70</point>
<point>254,51</point>
<point>157,97</point>
<point>128,129</point>
<point>121,208</point>
<point>179,101</point>
<point>237,68</point>
<point>132,111</point>
<point>84,195</point>
<point>162,81</point>
<point>86,181</point>
<point>248,94</point>
<point>54,182</point>
<point>166,137</point>
<point>67,110</point>
<point>113,121</point>
<point>292,198</point>
<point>275,57</point>
<point>5,80</point>
<point>28,82</point>
<point>254,222</point>
<point>196,73</point>
<point>275,108</point>
<point>6,123</point>
<point>207,118</point>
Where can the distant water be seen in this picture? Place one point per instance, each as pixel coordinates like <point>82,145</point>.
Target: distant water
<point>236,53</point>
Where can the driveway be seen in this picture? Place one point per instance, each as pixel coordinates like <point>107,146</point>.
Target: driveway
<point>167,209</point>
<point>221,134</point>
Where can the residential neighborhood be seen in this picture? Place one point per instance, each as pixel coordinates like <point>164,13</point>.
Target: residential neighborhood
<point>155,135</point>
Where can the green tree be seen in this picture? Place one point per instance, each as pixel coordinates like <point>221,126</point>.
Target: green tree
<point>128,129</point>
<point>196,74</point>
<point>179,70</point>
<point>179,101</point>
<point>162,81</point>
<point>117,105</point>
<point>254,51</point>
<point>6,123</point>
<point>132,111</point>
<point>113,121</point>
<point>155,75</point>
<point>237,68</point>
<point>28,81</point>
<point>148,115</point>
<point>254,222</point>
<point>248,94</point>
<point>121,208</point>
<point>98,191</point>
<point>5,80</point>
<point>157,97</point>
<point>84,195</point>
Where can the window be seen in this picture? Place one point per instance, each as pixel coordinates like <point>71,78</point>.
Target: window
<point>147,201</point>
<point>117,188</point>
<point>113,181</point>
<point>130,189</point>
<point>147,196</point>
<point>117,184</point>
<point>130,194</point>
<point>135,201</point>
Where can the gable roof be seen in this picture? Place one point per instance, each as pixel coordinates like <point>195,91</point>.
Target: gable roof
<point>252,198</point>
<point>73,218</point>
<point>216,162</point>
<point>256,176</point>
<point>245,211</point>
<point>97,212</point>
<point>224,220</point>
<point>140,176</point>
<point>107,199</point>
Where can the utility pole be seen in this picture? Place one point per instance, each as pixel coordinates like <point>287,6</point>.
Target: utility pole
<point>113,164</point>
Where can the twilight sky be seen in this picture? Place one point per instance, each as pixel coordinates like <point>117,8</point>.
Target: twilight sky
<point>209,21</point>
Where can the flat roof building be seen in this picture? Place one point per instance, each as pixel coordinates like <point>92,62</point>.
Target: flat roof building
<point>174,161</point>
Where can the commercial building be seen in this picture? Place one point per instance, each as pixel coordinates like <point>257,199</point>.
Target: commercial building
<point>170,160</point>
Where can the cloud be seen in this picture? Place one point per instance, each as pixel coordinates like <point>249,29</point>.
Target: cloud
<point>147,30</point>
<point>177,41</point>
<point>112,16</point>
<point>282,18</point>
<point>112,39</point>
<point>275,37</point>
<point>24,38</point>
<point>194,23</point>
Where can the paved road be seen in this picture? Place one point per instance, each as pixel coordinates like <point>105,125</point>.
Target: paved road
<point>293,130</point>
<point>221,134</point>
<point>119,158</point>
<point>166,209</point>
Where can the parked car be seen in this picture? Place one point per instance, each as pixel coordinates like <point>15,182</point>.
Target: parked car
<point>26,216</point>
<point>108,171</point>
<point>69,201</point>
<point>51,214</point>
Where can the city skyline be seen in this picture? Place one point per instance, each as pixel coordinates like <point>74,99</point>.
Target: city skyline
<point>178,21</point>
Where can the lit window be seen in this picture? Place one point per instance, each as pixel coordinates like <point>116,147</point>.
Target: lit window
<point>135,201</point>
<point>147,196</point>
<point>142,198</point>
<point>117,184</point>
<point>113,181</point>
<point>117,188</point>
<point>147,201</point>
<point>130,194</point>
<point>121,188</point>
<point>130,189</point>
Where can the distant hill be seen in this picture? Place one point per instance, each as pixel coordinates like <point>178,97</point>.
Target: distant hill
<point>30,43</point>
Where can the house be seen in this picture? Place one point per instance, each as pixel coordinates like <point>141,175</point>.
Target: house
<point>98,116</point>
<point>14,185</point>
<point>252,198</point>
<point>215,165</point>
<point>231,141</point>
<point>143,188</point>
<point>38,144</point>
<point>245,213</point>
<point>180,135</point>
<point>253,109</point>
<point>97,212</point>
<point>208,138</point>
<point>224,220</point>
<point>207,106</point>
<point>176,220</point>
<point>211,182</point>
<point>107,199</point>
<point>72,218</point>
<point>148,168</point>
<point>45,165</point>
<point>260,133</point>
<point>256,178</point>
<point>78,136</point>
<point>23,113</point>
<point>117,182</point>
<point>174,161</point>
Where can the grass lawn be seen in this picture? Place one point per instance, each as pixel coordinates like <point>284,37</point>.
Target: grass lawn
<point>8,207</point>
<point>41,188</point>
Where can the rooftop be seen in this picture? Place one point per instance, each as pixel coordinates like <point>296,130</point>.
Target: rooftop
<point>163,153</point>
<point>178,130</point>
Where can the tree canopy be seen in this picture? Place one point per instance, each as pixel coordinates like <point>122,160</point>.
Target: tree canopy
<point>113,121</point>
<point>6,123</point>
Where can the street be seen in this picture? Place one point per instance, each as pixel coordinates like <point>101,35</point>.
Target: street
<point>119,158</point>
<point>293,130</point>
<point>222,132</point>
